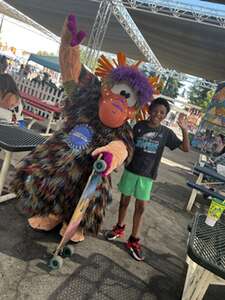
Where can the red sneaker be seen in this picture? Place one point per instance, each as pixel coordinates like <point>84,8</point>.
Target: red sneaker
<point>134,248</point>
<point>117,232</point>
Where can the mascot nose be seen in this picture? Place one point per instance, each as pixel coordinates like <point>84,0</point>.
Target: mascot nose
<point>117,106</point>
<point>123,100</point>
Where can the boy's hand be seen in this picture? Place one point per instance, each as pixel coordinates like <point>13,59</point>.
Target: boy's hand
<point>182,123</point>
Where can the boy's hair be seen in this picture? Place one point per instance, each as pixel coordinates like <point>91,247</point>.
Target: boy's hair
<point>160,101</point>
<point>7,85</point>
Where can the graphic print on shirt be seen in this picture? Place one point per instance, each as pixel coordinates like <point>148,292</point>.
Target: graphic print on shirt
<point>148,142</point>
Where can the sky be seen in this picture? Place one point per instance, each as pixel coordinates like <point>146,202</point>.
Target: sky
<point>25,37</point>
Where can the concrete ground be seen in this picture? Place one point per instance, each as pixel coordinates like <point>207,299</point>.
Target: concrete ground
<point>100,269</point>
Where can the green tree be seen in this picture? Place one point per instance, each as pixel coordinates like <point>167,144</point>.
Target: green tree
<point>171,88</point>
<point>147,70</point>
<point>199,95</point>
<point>83,53</point>
<point>45,53</point>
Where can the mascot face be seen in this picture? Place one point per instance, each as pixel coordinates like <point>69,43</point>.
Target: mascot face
<point>117,104</point>
<point>125,90</point>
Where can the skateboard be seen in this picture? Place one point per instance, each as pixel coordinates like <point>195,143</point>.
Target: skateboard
<point>63,250</point>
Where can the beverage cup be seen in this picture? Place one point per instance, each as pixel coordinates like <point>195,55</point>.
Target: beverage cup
<point>215,211</point>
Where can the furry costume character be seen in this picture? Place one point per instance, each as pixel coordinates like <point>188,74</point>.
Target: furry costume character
<point>52,177</point>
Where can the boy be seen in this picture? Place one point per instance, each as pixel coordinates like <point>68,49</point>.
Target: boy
<point>150,139</point>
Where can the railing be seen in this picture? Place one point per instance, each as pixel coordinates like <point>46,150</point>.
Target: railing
<point>41,103</point>
<point>43,92</point>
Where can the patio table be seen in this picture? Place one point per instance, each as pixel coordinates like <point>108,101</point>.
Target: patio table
<point>202,172</point>
<point>205,257</point>
<point>15,139</point>
<point>205,190</point>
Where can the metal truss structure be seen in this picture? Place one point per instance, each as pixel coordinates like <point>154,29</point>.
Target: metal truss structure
<point>179,9</point>
<point>122,15</point>
<point>100,26</point>
<point>171,8</point>
<point>184,77</point>
<point>8,10</point>
<point>125,20</point>
<point>208,85</point>
<point>98,33</point>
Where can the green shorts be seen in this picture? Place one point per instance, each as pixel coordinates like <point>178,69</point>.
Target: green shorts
<point>134,185</point>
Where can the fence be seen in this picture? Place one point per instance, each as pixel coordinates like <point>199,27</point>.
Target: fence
<point>40,102</point>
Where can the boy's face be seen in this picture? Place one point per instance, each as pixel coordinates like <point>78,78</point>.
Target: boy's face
<point>157,114</point>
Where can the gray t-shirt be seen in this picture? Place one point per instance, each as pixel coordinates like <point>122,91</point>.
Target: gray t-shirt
<point>149,146</point>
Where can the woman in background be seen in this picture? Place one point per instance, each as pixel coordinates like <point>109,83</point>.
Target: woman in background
<point>3,64</point>
<point>10,102</point>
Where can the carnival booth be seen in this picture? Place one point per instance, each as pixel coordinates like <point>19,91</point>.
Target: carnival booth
<point>213,121</point>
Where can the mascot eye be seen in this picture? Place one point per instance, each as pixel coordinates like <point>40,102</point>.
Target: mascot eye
<point>124,90</point>
<point>125,94</point>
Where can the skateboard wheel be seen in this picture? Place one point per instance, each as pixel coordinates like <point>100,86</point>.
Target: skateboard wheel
<point>68,251</point>
<point>100,165</point>
<point>55,262</point>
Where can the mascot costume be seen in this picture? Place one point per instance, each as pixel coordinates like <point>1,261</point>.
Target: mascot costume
<point>51,178</point>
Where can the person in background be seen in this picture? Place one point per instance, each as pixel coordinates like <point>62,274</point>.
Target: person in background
<point>219,145</point>
<point>10,102</point>
<point>150,139</point>
<point>207,141</point>
<point>37,79</point>
<point>3,64</point>
<point>218,155</point>
<point>21,70</point>
<point>26,70</point>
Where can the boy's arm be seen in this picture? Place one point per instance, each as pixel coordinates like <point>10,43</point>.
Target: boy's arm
<point>185,146</point>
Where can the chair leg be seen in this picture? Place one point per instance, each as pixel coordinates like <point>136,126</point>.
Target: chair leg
<point>191,268</point>
<point>31,124</point>
<point>5,168</point>
<point>196,283</point>
<point>194,193</point>
<point>50,119</point>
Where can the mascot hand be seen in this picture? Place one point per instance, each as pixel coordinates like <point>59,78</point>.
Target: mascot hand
<point>69,53</point>
<point>77,37</point>
<point>70,36</point>
<point>114,155</point>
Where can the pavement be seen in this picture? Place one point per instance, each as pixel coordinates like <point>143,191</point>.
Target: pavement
<point>100,269</point>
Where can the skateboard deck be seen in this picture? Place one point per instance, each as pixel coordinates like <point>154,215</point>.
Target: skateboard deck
<point>89,190</point>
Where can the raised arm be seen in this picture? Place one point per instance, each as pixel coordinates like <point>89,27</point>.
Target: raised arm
<point>185,146</point>
<point>69,52</point>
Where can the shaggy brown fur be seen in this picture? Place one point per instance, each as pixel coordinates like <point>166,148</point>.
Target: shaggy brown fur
<point>53,176</point>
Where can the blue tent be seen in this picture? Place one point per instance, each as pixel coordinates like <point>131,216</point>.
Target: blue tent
<point>50,62</point>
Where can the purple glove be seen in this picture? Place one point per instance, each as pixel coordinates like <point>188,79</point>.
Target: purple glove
<point>77,37</point>
<point>107,157</point>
